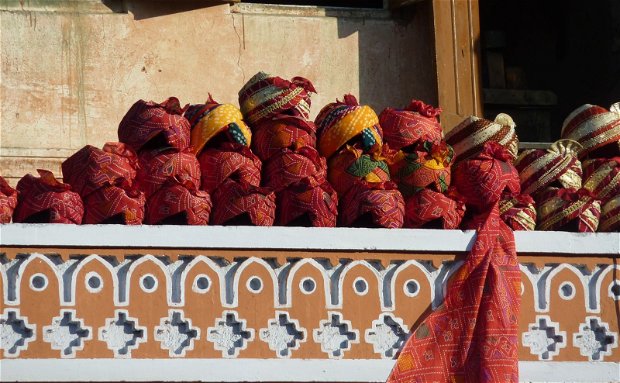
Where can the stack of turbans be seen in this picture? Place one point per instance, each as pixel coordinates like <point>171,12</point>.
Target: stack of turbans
<point>419,162</point>
<point>230,171</point>
<point>285,140</point>
<point>350,137</point>
<point>168,172</point>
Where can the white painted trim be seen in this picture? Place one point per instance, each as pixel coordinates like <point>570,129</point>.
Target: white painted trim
<point>262,370</point>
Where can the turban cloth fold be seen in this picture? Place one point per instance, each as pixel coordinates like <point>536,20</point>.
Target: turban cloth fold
<point>433,210</point>
<point>233,161</point>
<point>307,204</point>
<point>236,203</point>
<point>372,205</point>
<point>91,168</point>
<point>151,125</point>
<point>282,132</point>
<point>468,138</point>
<point>602,177</point>
<point>519,212</point>
<point>8,201</point>
<point>351,166</point>
<point>265,96</point>
<point>483,179</point>
<point>559,164</point>
<point>291,166</point>
<point>44,199</point>
<point>340,123</point>
<point>568,210</point>
<point>178,204</point>
<point>595,128</point>
<point>610,215</point>
<point>417,122</point>
<point>159,166</point>
<point>113,204</point>
<point>210,119</point>
<point>427,166</point>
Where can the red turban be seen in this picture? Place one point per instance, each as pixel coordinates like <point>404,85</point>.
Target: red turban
<point>8,201</point>
<point>610,215</point>
<point>519,212</point>
<point>372,205</point>
<point>568,210</point>
<point>430,209</point>
<point>113,204</point>
<point>230,160</point>
<point>417,122</point>
<point>282,132</point>
<point>602,177</point>
<point>178,204</point>
<point>242,204</point>
<point>595,128</point>
<point>158,166</point>
<point>306,204</point>
<point>291,166</point>
<point>351,166</point>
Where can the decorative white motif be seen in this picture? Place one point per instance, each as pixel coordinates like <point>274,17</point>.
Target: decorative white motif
<point>229,334</point>
<point>613,291</point>
<point>283,334</point>
<point>122,334</point>
<point>594,339</point>
<point>67,333</point>
<point>176,334</point>
<point>334,335</point>
<point>544,338</point>
<point>387,335</point>
<point>15,333</point>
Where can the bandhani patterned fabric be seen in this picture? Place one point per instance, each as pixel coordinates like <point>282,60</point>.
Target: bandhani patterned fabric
<point>113,204</point>
<point>159,125</point>
<point>91,168</point>
<point>178,204</point>
<point>243,204</point>
<point>559,164</point>
<point>602,177</point>
<point>265,96</point>
<point>377,205</point>
<point>568,210</point>
<point>212,118</point>
<point>8,201</point>
<point>159,166</point>
<point>44,199</point>
<point>427,166</point>
<point>351,166</point>
<point>229,161</point>
<point>610,215</point>
<point>307,204</point>
<point>282,132</point>
<point>595,128</point>
<point>417,122</point>
<point>519,212</point>
<point>482,180</point>
<point>473,335</point>
<point>468,137</point>
<point>432,210</point>
<point>340,123</point>
<point>291,166</point>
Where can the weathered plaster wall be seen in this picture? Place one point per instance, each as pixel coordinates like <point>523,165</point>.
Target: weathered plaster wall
<point>67,78</point>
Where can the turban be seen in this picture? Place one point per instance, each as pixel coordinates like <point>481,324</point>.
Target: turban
<point>602,177</point>
<point>159,166</point>
<point>209,119</point>
<point>372,205</point>
<point>282,132</point>
<point>350,166</point>
<point>291,166</point>
<point>307,204</point>
<point>178,205</point>
<point>158,125</point>
<point>595,128</point>
<point>539,168</point>
<point>44,199</point>
<point>418,122</point>
<point>340,122</point>
<point>8,201</point>
<point>568,210</point>
<point>482,180</point>
<point>113,204</point>
<point>519,212</point>
<point>265,96</point>
<point>91,168</point>
<point>468,137</point>
<point>427,166</point>
<point>237,203</point>
<point>430,209</point>
<point>229,161</point>
<point>610,215</point>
